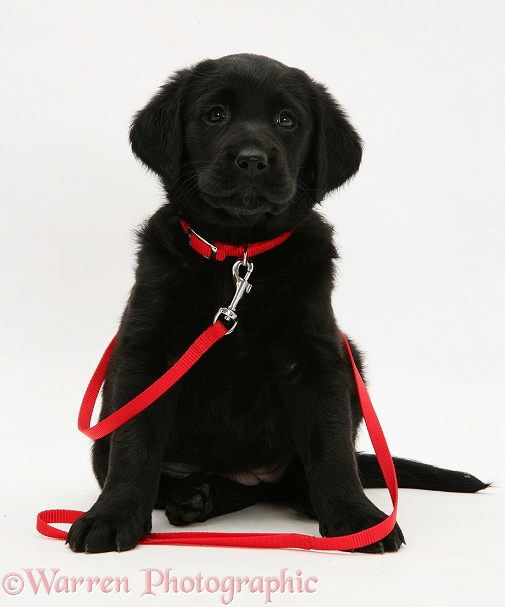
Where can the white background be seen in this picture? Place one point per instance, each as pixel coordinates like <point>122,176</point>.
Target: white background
<point>421,286</point>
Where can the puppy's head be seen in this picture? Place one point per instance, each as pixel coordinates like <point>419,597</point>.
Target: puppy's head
<point>246,136</point>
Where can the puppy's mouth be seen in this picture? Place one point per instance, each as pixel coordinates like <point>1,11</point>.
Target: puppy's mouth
<point>249,199</point>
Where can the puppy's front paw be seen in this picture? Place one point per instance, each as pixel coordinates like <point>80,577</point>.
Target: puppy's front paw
<point>351,520</point>
<point>391,543</point>
<point>107,531</point>
<point>189,500</point>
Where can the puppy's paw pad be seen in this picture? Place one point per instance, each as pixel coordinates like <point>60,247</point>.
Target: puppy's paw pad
<point>189,501</point>
<point>196,502</point>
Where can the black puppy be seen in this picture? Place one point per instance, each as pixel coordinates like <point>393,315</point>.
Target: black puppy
<point>246,148</point>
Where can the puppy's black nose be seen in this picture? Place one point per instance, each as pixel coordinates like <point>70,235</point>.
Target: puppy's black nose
<point>252,161</point>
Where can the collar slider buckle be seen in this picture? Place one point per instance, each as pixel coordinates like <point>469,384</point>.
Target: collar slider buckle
<point>197,246</point>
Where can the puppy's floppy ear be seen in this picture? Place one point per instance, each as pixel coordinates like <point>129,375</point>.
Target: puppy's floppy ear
<point>337,147</point>
<point>156,135</point>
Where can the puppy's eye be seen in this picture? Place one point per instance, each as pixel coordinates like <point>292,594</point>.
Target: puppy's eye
<point>286,120</point>
<point>216,114</point>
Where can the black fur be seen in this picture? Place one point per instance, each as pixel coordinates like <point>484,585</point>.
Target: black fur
<point>245,147</point>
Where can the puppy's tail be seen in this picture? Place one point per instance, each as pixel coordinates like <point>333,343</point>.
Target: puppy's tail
<point>415,475</point>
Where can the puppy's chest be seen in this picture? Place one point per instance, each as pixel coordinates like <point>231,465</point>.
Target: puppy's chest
<point>262,348</point>
<point>232,405</point>
<point>229,414</point>
<point>241,377</point>
<point>200,294</point>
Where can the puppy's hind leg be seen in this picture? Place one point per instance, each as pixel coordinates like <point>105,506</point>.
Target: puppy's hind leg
<point>201,496</point>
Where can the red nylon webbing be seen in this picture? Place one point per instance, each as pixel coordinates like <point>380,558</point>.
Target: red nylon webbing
<point>47,518</point>
<point>224,250</point>
<point>206,340</point>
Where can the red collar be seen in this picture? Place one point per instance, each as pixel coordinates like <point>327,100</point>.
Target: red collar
<point>220,251</point>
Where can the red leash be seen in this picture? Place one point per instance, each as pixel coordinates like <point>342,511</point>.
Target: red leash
<point>207,339</point>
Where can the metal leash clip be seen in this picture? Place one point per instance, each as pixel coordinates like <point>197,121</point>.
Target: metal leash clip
<point>242,286</point>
